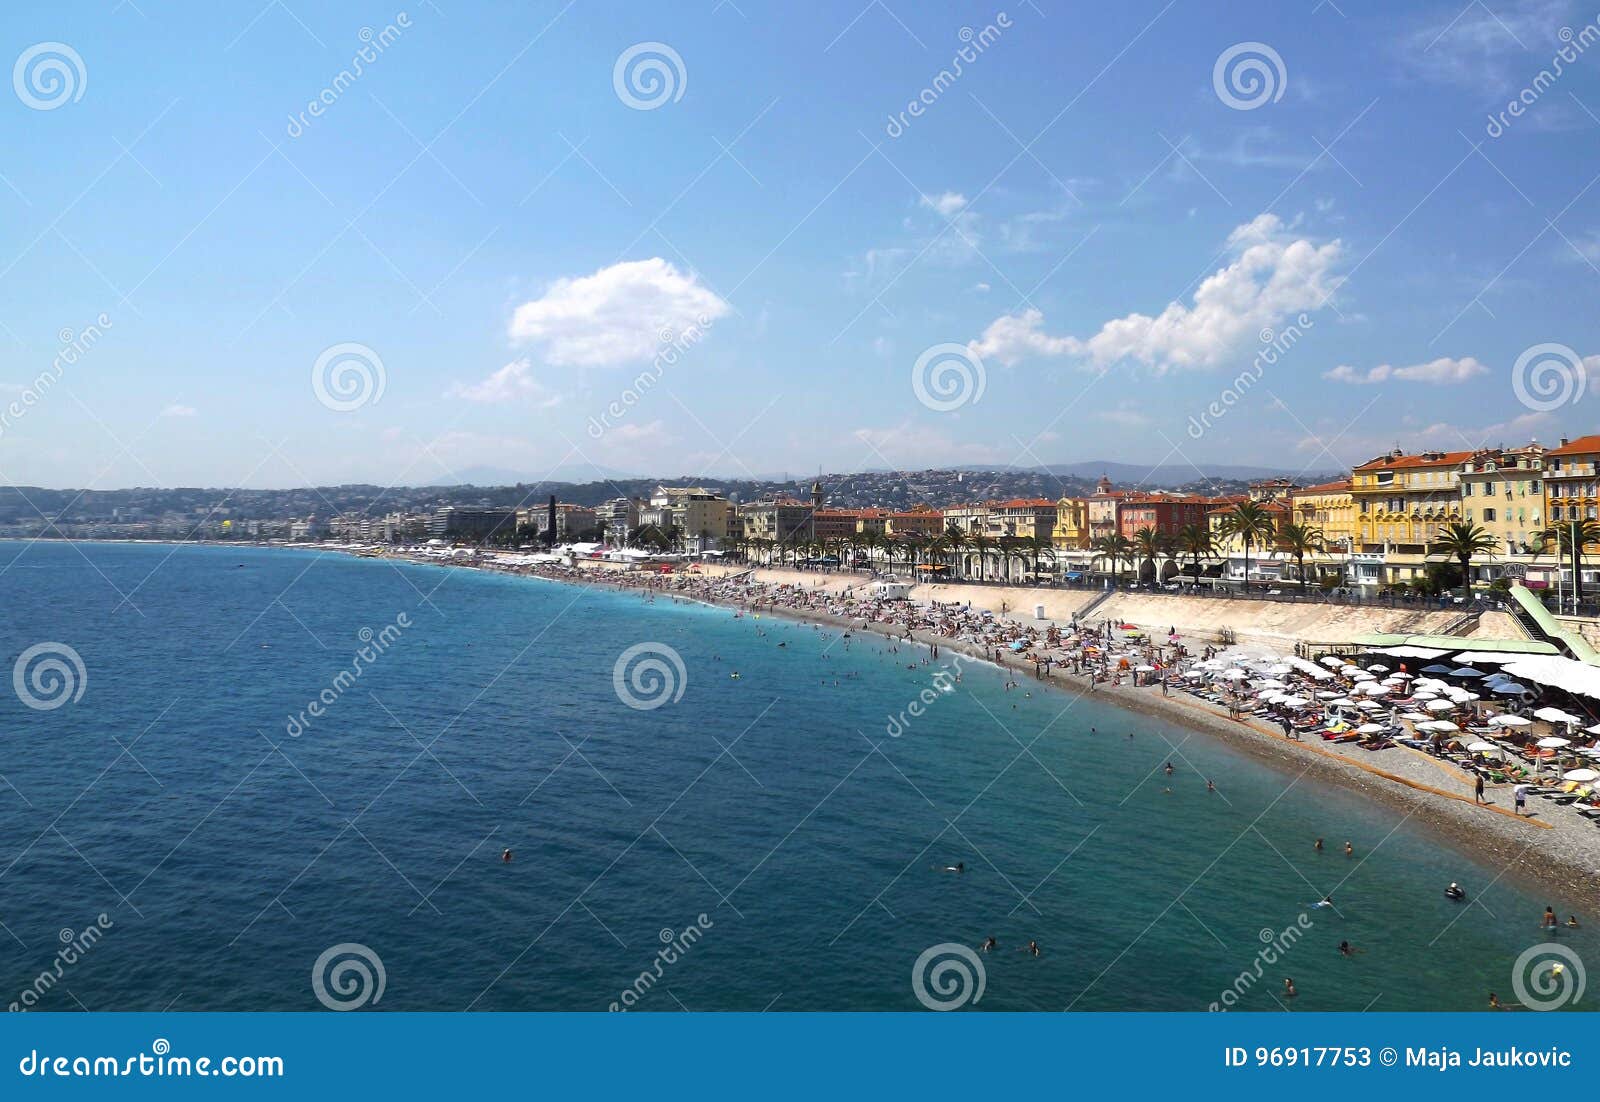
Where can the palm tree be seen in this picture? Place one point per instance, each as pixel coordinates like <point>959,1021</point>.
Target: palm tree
<point>1300,540</point>
<point>1461,542</point>
<point>1149,544</point>
<point>1115,548</point>
<point>1572,536</point>
<point>1253,524</point>
<point>1012,548</point>
<point>1195,541</point>
<point>869,542</point>
<point>955,539</point>
<point>1043,547</point>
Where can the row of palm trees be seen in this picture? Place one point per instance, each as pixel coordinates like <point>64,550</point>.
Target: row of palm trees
<point>950,550</point>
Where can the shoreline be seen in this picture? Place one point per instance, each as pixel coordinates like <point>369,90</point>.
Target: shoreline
<point>1528,850</point>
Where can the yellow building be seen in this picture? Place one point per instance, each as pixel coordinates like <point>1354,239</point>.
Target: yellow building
<point>1502,492</point>
<point>1570,473</point>
<point>1405,500</point>
<point>1330,507</point>
<point>1072,524</point>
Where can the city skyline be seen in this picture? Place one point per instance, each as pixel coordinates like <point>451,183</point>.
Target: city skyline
<point>725,243</point>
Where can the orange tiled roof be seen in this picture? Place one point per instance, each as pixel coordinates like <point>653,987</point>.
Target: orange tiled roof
<point>1324,488</point>
<point>1421,459</point>
<point>1583,445</point>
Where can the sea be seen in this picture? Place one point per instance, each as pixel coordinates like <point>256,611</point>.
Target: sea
<point>239,779</point>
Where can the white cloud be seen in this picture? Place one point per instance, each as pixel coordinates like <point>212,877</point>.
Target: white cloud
<point>1273,276</point>
<point>514,380</point>
<point>1484,45</point>
<point>1445,369</point>
<point>615,316</point>
<point>949,203</point>
<point>179,411</point>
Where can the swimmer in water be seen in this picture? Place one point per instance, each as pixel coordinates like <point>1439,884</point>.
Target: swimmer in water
<point>959,866</point>
<point>1288,988</point>
<point>1549,920</point>
<point>1169,769</point>
<point>505,856</point>
<point>1346,949</point>
<point>1318,846</point>
<point>1210,786</point>
<point>1325,901</point>
<point>1349,850</point>
<point>1033,948</point>
<point>1494,1002</point>
<point>1572,922</point>
<point>1454,891</point>
<point>991,945</point>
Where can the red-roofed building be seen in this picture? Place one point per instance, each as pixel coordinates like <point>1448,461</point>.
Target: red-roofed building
<point>1166,513</point>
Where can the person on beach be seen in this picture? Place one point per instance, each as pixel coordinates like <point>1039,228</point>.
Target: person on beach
<point>1521,794</point>
<point>1477,792</point>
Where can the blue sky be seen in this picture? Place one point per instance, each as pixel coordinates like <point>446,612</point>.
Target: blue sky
<point>1097,217</point>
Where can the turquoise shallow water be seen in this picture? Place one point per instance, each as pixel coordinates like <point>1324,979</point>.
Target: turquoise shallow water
<point>228,855</point>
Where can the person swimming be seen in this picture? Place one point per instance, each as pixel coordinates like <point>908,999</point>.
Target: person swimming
<point>1169,769</point>
<point>1288,988</point>
<point>959,866</point>
<point>1454,891</point>
<point>1325,901</point>
<point>1318,846</point>
<point>1033,948</point>
<point>1572,922</point>
<point>1349,850</point>
<point>505,856</point>
<point>1549,920</point>
<point>990,945</point>
<point>1346,949</point>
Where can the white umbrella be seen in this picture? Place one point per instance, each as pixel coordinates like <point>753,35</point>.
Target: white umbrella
<point>1271,683</point>
<point>1552,743</point>
<point>1370,729</point>
<point>1414,717</point>
<point>1377,668</point>
<point>1509,720</point>
<point>1342,702</point>
<point>1482,747</point>
<point>1280,669</point>
<point>1328,695</point>
<point>1371,705</point>
<point>1294,701</point>
<point>1233,675</point>
<point>1144,669</point>
<point>1595,730</point>
<point>1439,706</point>
<point>1580,775</point>
<point>1438,725</point>
<point>1371,688</point>
<point>1331,661</point>
<point>1556,715</point>
<point>1361,675</point>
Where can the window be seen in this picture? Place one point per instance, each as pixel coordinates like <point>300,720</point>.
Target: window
<point>1466,489</point>
<point>1488,516</point>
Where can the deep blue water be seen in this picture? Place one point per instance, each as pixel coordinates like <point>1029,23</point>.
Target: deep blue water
<point>228,855</point>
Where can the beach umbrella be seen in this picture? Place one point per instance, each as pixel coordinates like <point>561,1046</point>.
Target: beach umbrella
<point>1271,683</point>
<point>1465,671</point>
<point>1414,717</point>
<point>1437,725</point>
<point>1294,701</point>
<point>1328,695</point>
<point>1553,743</point>
<point>1584,775</point>
<point>1342,702</point>
<point>1371,705</point>
<point>1361,675</point>
<point>1436,669</point>
<point>1439,706</point>
<point>1144,669</point>
<point>1280,669</point>
<point>1556,715</point>
<point>1508,688</point>
<point>1424,694</point>
<point>1233,675</point>
<point>1377,667</point>
<point>1509,720</point>
<point>1482,747</point>
<point>1404,676</point>
<point>1332,661</point>
<point>1595,730</point>
<point>1371,688</point>
<point>1371,729</point>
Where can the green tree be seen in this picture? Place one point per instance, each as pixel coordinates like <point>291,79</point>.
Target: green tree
<point>1300,540</point>
<point>1461,542</point>
<point>1253,525</point>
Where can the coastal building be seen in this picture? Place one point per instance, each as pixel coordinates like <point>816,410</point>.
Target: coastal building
<point>618,517</point>
<point>1071,532</point>
<point>1102,509</point>
<point>1030,518</point>
<point>1271,489</point>
<point>458,522</point>
<point>1402,501</point>
<point>571,521</point>
<point>1502,492</point>
<point>1329,508</point>
<point>969,519</point>
<point>1572,484</point>
<point>916,522</point>
<point>835,524</point>
<point>780,520</point>
<point>1165,513</point>
<point>705,520</point>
